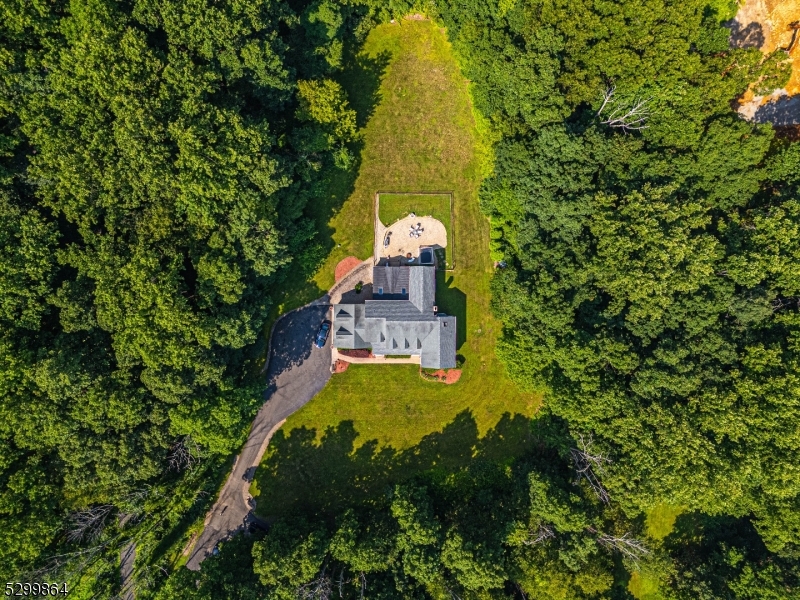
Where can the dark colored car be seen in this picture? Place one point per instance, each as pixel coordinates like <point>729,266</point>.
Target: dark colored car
<point>322,334</point>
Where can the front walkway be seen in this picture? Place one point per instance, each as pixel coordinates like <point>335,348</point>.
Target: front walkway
<point>375,360</point>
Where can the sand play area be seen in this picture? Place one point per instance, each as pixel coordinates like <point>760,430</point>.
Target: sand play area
<point>433,233</point>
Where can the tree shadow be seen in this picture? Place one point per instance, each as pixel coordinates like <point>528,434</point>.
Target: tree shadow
<point>292,341</point>
<point>303,475</point>
<point>452,301</point>
<point>323,194</point>
<point>783,111</point>
<point>354,297</point>
<point>361,78</point>
<point>746,36</point>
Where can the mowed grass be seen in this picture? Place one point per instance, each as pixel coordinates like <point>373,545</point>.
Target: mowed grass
<point>373,425</point>
<point>393,207</point>
<point>420,136</point>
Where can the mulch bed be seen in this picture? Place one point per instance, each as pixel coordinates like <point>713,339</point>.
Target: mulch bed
<point>356,353</point>
<point>345,266</point>
<point>449,376</point>
<point>340,366</point>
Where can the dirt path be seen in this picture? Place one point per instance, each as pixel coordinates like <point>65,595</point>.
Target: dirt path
<point>297,371</point>
<point>127,557</point>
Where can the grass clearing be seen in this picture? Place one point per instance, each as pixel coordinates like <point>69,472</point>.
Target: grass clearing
<point>644,587</point>
<point>660,520</point>
<point>376,424</point>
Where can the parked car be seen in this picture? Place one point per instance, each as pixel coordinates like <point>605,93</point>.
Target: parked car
<point>322,334</point>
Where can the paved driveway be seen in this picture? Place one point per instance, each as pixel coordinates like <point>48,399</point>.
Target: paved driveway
<point>297,371</point>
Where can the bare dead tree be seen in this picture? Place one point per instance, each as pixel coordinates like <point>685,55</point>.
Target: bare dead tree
<point>588,464</point>
<point>185,453</point>
<point>453,595</point>
<point>607,98</point>
<point>320,588</point>
<point>545,532</point>
<point>63,567</point>
<point>521,591</point>
<point>626,545</point>
<point>586,451</point>
<point>342,581</point>
<point>781,303</point>
<point>624,115</point>
<point>88,524</point>
<point>363,581</point>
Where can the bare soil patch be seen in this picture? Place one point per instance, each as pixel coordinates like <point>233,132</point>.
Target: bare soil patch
<point>189,545</point>
<point>340,366</point>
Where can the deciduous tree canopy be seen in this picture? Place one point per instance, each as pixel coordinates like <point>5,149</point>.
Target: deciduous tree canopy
<point>651,287</point>
<point>157,157</point>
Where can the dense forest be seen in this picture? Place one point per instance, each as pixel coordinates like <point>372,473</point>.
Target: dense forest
<point>157,158</point>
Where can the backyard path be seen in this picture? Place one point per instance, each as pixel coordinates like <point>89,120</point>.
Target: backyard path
<point>296,372</point>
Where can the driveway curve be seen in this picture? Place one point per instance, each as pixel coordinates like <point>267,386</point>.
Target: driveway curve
<point>296,372</point>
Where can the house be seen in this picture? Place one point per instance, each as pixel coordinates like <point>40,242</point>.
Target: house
<point>401,319</point>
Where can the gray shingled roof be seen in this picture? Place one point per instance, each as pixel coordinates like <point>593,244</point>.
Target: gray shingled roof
<point>392,280</point>
<point>423,288</point>
<point>396,310</point>
<point>399,326</point>
<point>447,342</point>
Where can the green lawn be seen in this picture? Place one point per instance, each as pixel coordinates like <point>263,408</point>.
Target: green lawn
<point>392,207</point>
<point>374,425</point>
